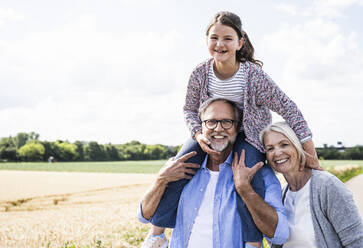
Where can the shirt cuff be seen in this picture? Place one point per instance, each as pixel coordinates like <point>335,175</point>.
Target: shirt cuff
<point>306,139</point>
<point>140,216</point>
<point>282,230</point>
<point>195,130</point>
<point>249,246</point>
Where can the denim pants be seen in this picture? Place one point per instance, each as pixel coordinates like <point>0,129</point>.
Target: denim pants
<point>165,215</point>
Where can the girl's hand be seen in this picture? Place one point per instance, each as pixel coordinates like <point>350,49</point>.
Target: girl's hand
<point>204,144</point>
<point>312,160</point>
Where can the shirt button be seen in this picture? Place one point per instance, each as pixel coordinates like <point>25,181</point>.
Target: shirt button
<point>201,190</point>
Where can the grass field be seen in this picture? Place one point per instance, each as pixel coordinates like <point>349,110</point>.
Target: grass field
<point>148,166</point>
<point>108,167</point>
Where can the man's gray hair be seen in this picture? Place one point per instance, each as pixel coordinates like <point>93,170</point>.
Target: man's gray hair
<point>205,105</point>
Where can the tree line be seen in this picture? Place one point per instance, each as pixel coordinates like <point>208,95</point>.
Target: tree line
<point>28,147</point>
<point>340,153</point>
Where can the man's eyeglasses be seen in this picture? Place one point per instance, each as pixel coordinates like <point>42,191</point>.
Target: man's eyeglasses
<point>225,123</point>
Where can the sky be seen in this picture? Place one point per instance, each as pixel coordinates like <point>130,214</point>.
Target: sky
<point>113,71</point>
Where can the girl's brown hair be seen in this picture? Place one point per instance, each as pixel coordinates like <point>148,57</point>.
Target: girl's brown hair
<point>246,53</point>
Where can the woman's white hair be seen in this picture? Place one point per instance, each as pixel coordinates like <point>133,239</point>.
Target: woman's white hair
<point>286,130</point>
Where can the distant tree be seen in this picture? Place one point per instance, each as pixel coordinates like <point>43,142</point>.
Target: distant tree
<point>155,152</point>
<point>31,152</point>
<point>22,138</point>
<point>95,152</point>
<point>133,150</point>
<point>49,150</point>
<point>355,153</point>
<point>79,150</point>
<point>8,149</point>
<point>330,152</point>
<point>65,151</point>
<point>171,151</point>
<point>112,153</point>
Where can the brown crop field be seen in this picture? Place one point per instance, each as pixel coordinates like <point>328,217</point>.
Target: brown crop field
<point>77,209</point>
<point>55,209</point>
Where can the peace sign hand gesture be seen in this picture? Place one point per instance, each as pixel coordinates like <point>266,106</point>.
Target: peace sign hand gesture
<point>243,175</point>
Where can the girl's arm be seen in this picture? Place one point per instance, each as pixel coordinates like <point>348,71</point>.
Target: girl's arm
<point>191,107</point>
<point>312,158</point>
<point>269,94</point>
<point>192,102</point>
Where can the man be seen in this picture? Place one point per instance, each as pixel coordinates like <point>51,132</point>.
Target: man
<point>207,213</point>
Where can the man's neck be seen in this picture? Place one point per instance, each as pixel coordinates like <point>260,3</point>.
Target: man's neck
<point>215,160</point>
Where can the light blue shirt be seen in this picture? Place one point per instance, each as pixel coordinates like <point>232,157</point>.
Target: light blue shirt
<point>227,228</point>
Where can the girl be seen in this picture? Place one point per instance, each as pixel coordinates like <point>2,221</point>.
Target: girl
<point>233,73</point>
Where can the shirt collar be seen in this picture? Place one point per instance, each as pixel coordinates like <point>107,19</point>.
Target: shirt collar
<point>227,162</point>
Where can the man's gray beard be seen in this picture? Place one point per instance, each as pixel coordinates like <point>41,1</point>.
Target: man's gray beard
<point>222,147</point>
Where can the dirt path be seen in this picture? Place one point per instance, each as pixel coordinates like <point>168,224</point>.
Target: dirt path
<point>356,186</point>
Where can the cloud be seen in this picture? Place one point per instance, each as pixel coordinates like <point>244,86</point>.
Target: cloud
<point>75,76</point>
<point>321,68</point>
<point>287,8</point>
<point>319,8</point>
<point>77,58</point>
<point>7,15</point>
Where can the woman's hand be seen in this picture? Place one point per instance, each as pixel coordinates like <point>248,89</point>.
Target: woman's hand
<point>204,144</point>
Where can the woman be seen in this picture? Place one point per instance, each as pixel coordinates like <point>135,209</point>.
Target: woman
<point>320,209</point>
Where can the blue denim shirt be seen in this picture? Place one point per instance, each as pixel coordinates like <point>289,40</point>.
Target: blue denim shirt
<point>227,228</point>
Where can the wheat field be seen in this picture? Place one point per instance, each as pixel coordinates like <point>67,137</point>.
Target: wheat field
<point>104,216</point>
<point>73,209</point>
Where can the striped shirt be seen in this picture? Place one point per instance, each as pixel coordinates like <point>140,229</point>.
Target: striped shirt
<point>231,88</point>
<point>261,94</point>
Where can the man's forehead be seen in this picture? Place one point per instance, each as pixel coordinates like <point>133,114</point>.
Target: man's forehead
<point>219,108</point>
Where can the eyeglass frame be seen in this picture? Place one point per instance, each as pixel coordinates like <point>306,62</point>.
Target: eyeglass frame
<point>218,121</point>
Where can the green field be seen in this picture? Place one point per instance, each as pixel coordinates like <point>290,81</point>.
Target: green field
<point>326,163</point>
<point>152,166</point>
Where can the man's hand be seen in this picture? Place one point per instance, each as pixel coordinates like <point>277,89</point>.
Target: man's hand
<point>204,144</point>
<point>174,170</point>
<point>243,175</point>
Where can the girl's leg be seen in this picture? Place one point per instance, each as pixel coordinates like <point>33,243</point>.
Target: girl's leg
<point>165,214</point>
<point>250,231</point>
<point>156,230</point>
